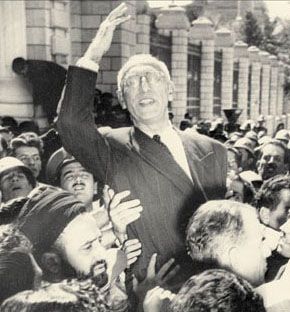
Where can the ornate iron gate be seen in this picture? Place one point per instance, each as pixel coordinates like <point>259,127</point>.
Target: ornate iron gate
<point>217,83</point>
<point>236,85</point>
<point>249,91</point>
<point>193,80</point>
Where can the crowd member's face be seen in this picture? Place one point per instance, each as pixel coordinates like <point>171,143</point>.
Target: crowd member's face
<point>146,94</point>
<point>278,216</point>
<point>81,241</point>
<point>272,162</point>
<point>14,184</point>
<point>76,180</point>
<point>232,162</point>
<point>29,155</point>
<point>250,253</point>
<point>246,160</point>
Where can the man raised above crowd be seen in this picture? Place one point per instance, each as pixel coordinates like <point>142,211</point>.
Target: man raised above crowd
<point>164,168</point>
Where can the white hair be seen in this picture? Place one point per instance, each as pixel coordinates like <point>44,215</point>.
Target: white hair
<point>141,59</point>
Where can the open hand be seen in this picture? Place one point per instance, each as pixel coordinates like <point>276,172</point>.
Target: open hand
<point>123,213</point>
<point>103,39</point>
<point>153,279</point>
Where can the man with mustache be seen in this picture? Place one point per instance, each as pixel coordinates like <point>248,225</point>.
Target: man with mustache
<point>67,242</point>
<point>273,159</point>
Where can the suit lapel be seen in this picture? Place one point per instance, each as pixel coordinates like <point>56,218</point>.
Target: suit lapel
<point>195,161</point>
<point>159,157</point>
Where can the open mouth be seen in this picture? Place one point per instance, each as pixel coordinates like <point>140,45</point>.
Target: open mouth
<point>146,102</point>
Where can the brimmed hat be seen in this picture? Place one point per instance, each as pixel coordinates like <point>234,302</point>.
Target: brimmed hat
<point>252,135</point>
<point>56,161</point>
<point>244,143</point>
<point>282,135</point>
<point>9,163</point>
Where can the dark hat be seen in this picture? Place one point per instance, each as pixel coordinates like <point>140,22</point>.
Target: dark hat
<point>56,161</point>
<point>45,215</point>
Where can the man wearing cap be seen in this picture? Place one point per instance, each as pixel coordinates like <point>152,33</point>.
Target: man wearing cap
<point>162,167</point>
<point>273,159</point>
<point>16,180</point>
<point>244,146</point>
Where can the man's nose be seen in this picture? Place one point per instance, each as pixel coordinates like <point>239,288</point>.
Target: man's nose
<point>144,84</point>
<point>15,178</point>
<point>271,160</point>
<point>78,179</point>
<point>30,161</point>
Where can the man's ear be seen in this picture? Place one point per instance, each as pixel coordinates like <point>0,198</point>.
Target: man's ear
<point>170,91</point>
<point>51,263</point>
<point>264,214</point>
<point>121,99</point>
<point>95,188</point>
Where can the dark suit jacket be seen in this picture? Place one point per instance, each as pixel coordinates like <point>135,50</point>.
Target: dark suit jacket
<point>127,159</point>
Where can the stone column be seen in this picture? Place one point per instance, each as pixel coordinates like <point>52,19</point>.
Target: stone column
<point>273,85</point>
<point>241,55</point>
<point>202,31</point>
<point>255,81</point>
<point>224,41</point>
<point>143,28</point>
<point>173,19</point>
<point>265,87</point>
<point>15,95</point>
<point>281,77</point>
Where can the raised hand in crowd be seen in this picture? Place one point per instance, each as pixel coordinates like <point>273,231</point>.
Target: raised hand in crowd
<point>153,278</point>
<point>103,39</point>
<point>121,212</point>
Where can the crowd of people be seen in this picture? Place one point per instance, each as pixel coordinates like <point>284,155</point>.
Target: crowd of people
<point>146,217</point>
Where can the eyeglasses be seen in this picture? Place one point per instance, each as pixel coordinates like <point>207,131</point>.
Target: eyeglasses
<point>135,80</point>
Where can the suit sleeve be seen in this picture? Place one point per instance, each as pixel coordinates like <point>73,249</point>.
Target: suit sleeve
<point>222,163</point>
<point>76,123</point>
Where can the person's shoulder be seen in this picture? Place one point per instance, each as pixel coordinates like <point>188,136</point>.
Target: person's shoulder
<point>203,141</point>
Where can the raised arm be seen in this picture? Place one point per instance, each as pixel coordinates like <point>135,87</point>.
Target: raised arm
<point>75,120</point>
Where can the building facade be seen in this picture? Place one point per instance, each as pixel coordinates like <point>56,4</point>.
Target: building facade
<point>211,70</point>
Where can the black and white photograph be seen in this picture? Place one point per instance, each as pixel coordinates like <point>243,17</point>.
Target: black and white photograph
<point>144,156</point>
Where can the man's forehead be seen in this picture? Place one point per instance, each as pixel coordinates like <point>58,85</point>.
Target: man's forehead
<point>141,68</point>
<point>27,150</point>
<point>75,166</point>
<point>12,171</point>
<point>272,149</point>
<point>84,223</point>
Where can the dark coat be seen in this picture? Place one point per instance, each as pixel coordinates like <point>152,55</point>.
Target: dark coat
<point>127,159</point>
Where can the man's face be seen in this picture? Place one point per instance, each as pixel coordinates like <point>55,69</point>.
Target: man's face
<point>29,155</point>
<point>14,184</point>
<point>232,162</point>
<point>272,162</point>
<point>76,180</point>
<point>146,94</point>
<point>85,253</point>
<point>278,216</point>
<point>252,251</point>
